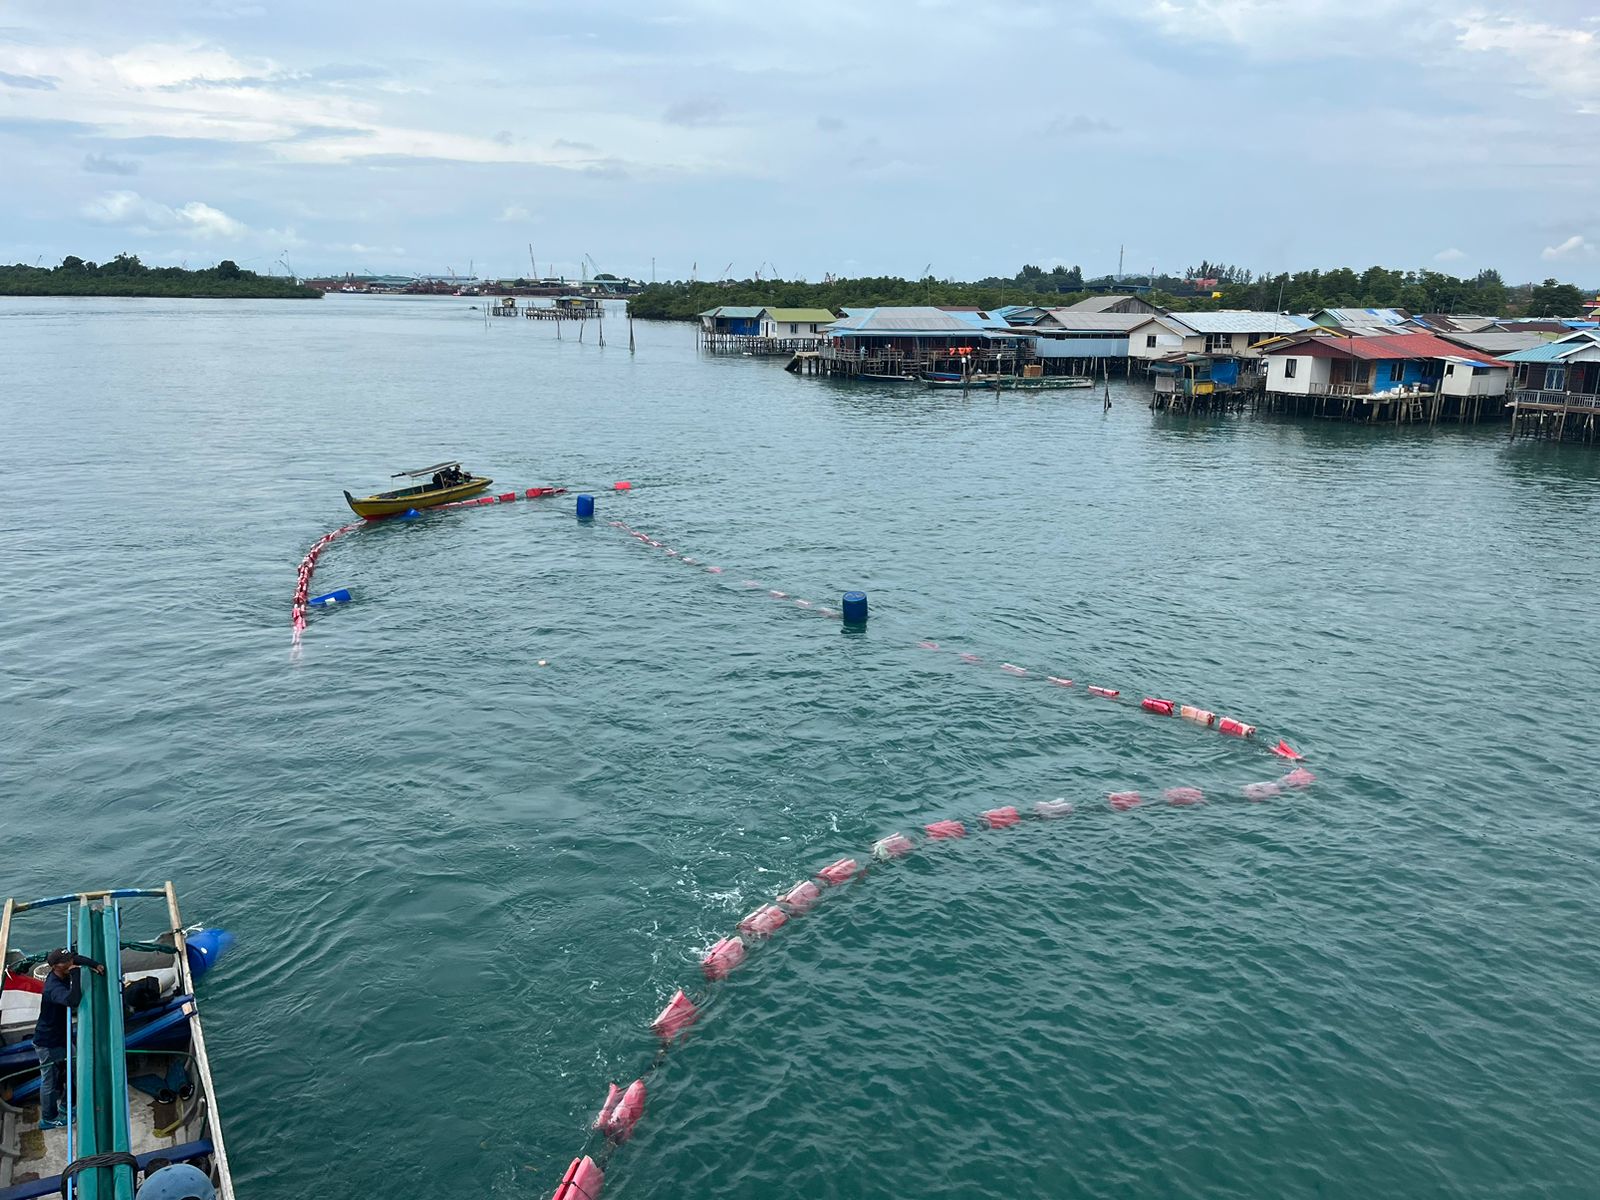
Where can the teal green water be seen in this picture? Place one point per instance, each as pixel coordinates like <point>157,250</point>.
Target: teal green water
<point>463,883</point>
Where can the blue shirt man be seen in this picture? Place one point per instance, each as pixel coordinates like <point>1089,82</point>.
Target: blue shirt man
<point>63,989</point>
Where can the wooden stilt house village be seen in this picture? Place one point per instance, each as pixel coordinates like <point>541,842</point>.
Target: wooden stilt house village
<point>1363,365</point>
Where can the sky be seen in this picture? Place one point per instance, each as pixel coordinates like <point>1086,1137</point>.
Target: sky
<point>720,138</point>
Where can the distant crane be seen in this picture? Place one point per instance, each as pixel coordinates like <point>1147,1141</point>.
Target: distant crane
<point>694,272</point>
<point>725,270</point>
<point>533,266</point>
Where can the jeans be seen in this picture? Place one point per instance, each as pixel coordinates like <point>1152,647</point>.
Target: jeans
<point>52,1081</point>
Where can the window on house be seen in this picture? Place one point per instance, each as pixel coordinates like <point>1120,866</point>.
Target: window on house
<point>1218,341</point>
<point>1397,372</point>
<point>1150,341</point>
<point>1480,370</point>
<point>1450,370</point>
<point>1291,367</point>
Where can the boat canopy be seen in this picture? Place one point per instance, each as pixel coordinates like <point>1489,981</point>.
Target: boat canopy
<point>425,470</point>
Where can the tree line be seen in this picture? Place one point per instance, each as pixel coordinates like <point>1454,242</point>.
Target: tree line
<point>125,275</point>
<point>1484,294</point>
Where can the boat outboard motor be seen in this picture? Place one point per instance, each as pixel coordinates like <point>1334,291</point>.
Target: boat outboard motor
<point>177,1181</point>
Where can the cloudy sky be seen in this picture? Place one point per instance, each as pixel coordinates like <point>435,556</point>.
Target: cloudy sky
<point>854,138</point>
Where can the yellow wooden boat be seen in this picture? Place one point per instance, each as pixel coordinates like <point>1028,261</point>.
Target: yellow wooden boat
<point>444,482</point>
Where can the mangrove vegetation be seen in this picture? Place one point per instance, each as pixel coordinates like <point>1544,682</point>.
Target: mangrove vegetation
<point>1206,287</point>
<point>125,275</point>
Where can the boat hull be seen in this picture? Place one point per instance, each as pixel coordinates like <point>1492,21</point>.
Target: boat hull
<point>388,504</point>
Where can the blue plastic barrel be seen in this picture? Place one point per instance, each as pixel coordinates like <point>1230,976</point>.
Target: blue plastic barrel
<point>855,608</point>
<point>410,514</point>
<point>585,507</point>
<point>328,599</point>
<point>205,947</point>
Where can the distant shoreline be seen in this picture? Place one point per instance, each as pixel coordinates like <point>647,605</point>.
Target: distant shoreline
<point>126,277</point>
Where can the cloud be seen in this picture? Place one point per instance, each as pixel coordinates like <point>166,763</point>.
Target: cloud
<point>830,124</point>
<point>1079,125</point>
<point>1576,246</point>
<point>695,112</point>
<point>104,164</point>
<point>135,212</point>
<point>36,83</point>
<point>514,212</point>
<point>1275,29</point>
<point>1556,59</point>
<point>569,144</point>
<point>1452,255</point>
<point>504,138</point>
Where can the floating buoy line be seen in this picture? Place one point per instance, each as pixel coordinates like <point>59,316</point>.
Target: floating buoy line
<point>852,610</point>
<point>624,1106</point>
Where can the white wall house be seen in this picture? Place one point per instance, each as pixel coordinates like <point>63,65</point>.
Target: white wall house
<point>1157,338</point>
<point>1222,334</point>
<point>1298,374</point>
<point>1466,377</point>
<point>794,322</point>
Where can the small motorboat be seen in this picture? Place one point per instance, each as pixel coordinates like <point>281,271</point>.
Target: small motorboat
<point>446,481</point>
<point>137,1098</point>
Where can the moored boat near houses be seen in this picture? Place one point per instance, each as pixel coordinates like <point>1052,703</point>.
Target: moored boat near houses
<point>1073,341</point>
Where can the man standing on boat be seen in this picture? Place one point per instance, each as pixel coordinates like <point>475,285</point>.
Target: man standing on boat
<point>63,988</point>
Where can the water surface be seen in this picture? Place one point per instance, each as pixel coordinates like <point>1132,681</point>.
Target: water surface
<point>463,883</point>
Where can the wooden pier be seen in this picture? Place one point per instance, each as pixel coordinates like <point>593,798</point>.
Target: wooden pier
<point>1556,416</point>
<point>890,363</point>
<point>749,343</point>
<point>1355,402</point>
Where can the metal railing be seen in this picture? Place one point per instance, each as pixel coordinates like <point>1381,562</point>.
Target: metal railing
<point>1558,399</point>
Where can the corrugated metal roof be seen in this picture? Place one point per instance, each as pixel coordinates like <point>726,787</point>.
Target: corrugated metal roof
<point>1558,351</point>
<point>1496,342</point>
<point>1379,346</point>
<point>913,320</point>
<point>1094,322</point>
<point>1241,322</point>
<point>1367,316</point>
<point>799,314</point>
<point>1095,304</point>
<point>735,312</point>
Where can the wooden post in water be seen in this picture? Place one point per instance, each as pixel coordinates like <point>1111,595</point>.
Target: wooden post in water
<point>601,322</point>
<point>630,331</point>
<point>581,324</point>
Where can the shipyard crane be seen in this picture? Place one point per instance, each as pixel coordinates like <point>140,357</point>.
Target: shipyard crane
<point>725,270</point>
